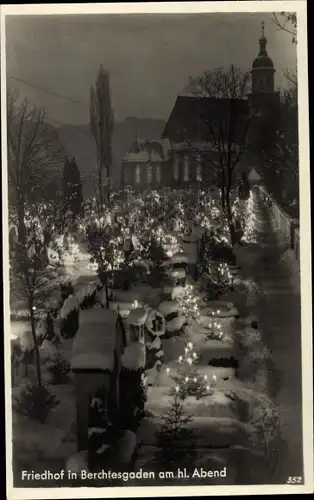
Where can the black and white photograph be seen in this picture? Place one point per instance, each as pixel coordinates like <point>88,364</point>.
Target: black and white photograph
<point>156,249</point>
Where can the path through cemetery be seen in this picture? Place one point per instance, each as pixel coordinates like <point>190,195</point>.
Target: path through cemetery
<point>279,313</point>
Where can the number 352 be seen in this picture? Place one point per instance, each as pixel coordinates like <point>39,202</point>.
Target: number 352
<point>294,480</point>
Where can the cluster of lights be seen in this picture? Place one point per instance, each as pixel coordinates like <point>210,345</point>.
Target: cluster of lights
<point>215,329</point>
<point>194,381</point>
<point>225,273</point>
<point>190,302</point>
<point>249,229</point>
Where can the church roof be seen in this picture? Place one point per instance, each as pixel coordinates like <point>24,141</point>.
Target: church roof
<point>143,150</point>
<point>189,118</point>
<point>262,61</point>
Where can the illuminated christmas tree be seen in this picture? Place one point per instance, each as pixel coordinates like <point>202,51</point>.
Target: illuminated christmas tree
<point>188,380</point>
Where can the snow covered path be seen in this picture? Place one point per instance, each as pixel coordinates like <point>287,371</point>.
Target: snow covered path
<point>279,313</point>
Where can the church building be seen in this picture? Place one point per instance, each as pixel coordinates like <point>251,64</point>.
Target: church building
<point>185,156</point>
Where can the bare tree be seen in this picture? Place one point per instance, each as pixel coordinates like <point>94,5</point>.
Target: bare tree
<point>34,158</point>
<point>286,21</point>
<point>33,279</point>
<point>226,127</point>
<point>102,123</point>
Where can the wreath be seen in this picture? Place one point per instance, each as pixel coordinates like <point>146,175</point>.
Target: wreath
<point>155,323</point>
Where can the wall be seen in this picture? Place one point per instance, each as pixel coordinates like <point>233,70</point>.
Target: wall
<point>288,226</point>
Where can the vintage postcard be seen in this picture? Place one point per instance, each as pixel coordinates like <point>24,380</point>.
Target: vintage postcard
<point>157,249</point>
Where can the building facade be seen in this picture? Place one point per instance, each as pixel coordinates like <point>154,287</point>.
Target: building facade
<point>185,157</point>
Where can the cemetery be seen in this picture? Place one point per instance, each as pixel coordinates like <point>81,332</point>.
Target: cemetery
<point>129,354</point>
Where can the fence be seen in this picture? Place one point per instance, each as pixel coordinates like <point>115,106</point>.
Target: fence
<point>288,226</point>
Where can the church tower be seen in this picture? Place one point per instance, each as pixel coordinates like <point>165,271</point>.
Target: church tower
<point>263,72</point>
<point>263,100</point>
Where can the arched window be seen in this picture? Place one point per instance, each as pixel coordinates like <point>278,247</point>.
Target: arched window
<point>199,176</point>
<point>158,173</point>
<point>176,168</point>
<point>149,173</point>
<point>137,174</point>
<point>186,168</point>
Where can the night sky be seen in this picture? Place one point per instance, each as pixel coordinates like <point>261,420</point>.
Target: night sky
<point>149,57</point>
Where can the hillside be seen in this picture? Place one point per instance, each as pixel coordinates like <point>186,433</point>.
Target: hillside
<point>80,143</point>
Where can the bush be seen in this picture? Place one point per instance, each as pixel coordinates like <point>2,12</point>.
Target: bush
<point>59,370</point>
<point>35,402</point>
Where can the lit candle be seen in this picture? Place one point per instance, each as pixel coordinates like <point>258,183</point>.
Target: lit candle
<point>168,371</point>
<point>207,387</point>
<point>205,377</point>
<point>195,379</point>
<point>190,361</point>
<point>177,388</point>
<point>214,378</point>
<point>186,379</point>
<point>180,359</point>
<point>194,355</point>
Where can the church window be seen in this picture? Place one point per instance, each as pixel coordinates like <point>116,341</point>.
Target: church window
<point>138,174</point>
<point>158,173</point>
<point>176,168</point>
<point>199,168</point>
<point>149,173</point>
<point>186,168</point>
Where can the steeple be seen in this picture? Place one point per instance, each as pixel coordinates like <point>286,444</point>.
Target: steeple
<point>263,67</point>
<point>263,41</point>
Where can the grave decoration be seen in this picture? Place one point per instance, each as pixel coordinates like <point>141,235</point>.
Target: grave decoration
<point>188,381</point>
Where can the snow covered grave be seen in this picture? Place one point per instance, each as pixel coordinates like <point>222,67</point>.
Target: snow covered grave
<point>220,354</point>
<point>179,276</point>
<point>175,321</point>
<point>168,307</point>
<point>179,258</point>
<point>96,355</point>
<point>221,311</point>
<point>174,292</point>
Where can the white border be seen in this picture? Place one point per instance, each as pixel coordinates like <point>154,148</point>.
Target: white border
<point>298,6</point>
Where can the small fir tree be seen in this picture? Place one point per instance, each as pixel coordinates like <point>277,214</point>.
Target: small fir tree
<point>175,441</point>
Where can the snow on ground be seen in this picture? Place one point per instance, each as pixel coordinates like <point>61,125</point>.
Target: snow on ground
<point>214,432</point>
<point>215,404</point>
<point>215,416</point>
<point>33,440</point>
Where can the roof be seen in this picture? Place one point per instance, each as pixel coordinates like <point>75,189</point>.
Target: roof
<point>95,341</point>
<point>262,61</point>
<point>143,150</point>
<point>190,115</point>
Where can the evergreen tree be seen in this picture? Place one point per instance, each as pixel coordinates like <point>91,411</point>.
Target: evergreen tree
<point>72,187</point>
<point>102,123</point>
<point>175,441</point>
